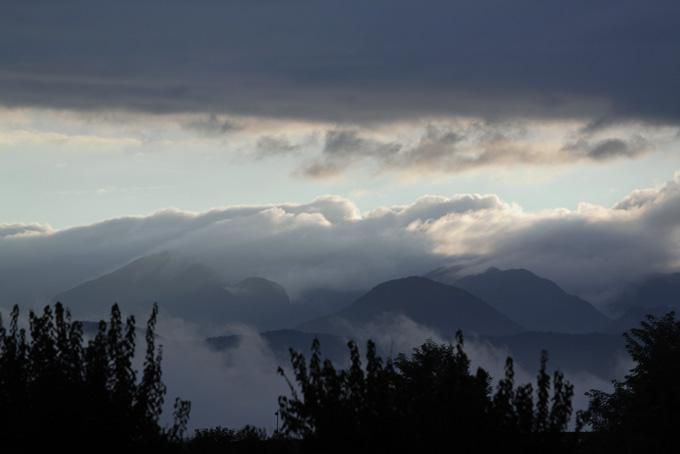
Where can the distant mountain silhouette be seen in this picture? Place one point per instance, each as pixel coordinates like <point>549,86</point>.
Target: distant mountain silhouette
<point>440,307</point>
<point>317,302</point>
<point>532,301</point>
<point>183,289</point>
<point>658,290</point>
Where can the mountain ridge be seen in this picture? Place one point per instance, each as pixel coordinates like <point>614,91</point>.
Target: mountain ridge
<point>434,305</point>
<point>537,303</point>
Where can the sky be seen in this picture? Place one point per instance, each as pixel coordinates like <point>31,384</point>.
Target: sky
<point>487,124</point>
<point>71,168</point>
<point>116,108</point>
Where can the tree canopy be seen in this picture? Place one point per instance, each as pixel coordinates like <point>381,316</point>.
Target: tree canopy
<point>643,411</point>
<point>55,385</point>
<point>63,384</point>
<point>423,399</point>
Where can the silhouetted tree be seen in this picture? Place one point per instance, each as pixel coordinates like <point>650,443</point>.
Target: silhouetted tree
<point>419,400</point>
<point>643,411</point>
<point>53,387</point>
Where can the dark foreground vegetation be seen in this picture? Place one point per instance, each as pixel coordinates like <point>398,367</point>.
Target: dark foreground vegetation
<point>56,389</point>
<point>60,389</point>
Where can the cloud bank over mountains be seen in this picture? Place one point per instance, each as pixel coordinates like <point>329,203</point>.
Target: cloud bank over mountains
<point>591,251</point>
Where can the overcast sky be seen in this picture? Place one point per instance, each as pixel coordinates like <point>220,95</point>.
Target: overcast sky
<point>562,117</point>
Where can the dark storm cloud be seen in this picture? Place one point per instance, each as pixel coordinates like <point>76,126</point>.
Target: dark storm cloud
<point>346,61</point>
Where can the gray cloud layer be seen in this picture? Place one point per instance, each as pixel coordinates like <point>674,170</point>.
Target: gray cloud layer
<point>611,148</point>
<point>592,251</point>
<point>346,61</point>
<point>460,147</point>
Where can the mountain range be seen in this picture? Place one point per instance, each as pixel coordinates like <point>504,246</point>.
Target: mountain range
<point>493,302</point>
<point>195,293</point>
<point>182,289</point>
<point>514,310</point>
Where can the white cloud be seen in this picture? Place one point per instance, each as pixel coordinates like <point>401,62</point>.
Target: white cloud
<point>19,230</point>
<point>231,388</point>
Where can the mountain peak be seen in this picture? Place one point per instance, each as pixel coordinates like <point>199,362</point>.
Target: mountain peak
<point>408,281</point>
<point>260,287</point>
<point>182,288</point>
<point>434,305</point>
<point>533,301</point>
